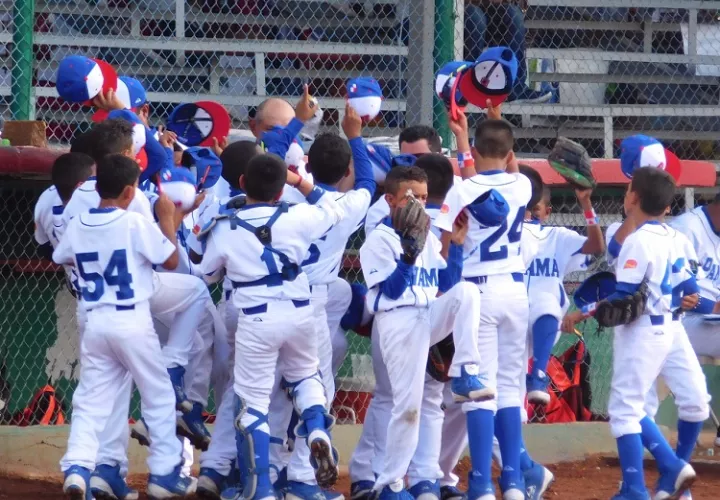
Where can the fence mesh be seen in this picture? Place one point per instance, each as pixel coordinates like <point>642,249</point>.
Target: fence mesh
<point>593,74</point>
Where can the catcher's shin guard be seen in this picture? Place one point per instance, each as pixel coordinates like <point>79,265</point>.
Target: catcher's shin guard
<point>253,453</point>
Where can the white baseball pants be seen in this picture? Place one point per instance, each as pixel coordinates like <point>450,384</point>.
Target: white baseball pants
<point>502,337</point>
<point>704,337</point>
<point>454,438</point>
<point>424,465</point>
<point>339,296</point>
<point>684,376</point>
<point>639,354</point>
<point>405,335</point>
<point>116,343</point>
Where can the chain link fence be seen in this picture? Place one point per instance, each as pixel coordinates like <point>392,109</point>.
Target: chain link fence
<point>594,74</point>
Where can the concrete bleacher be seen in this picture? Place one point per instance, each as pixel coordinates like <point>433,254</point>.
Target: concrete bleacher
<point>326,61</point>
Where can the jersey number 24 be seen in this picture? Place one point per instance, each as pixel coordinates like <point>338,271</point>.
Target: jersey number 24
<point>115,274</point>
<point>513,236</point>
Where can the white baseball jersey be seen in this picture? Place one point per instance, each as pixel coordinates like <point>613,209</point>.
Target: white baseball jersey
<point>558,253</point>
<point>380,209</point>
<point>650,252</point>
<point>324,258</point>
<point>246,260</point>
<point>86,197</point>
<point>48,217</point>
<point>705,239</point>
<point>490,250</point>
<point>378,259</point>
<point>113,251</point>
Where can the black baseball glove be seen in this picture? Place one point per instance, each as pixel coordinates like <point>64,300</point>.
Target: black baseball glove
<point>572,161</point>
<point>440,358</point>
<point>412,224</point>
<point>622,311</point>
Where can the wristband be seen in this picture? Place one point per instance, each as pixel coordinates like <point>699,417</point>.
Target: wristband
<point>465,160</point>
<point>589,310</point>
<point>591,218</point>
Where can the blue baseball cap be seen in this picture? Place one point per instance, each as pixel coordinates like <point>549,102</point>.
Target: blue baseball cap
<point>491,77</point>
<point>365,96</point>
<point>445,81</point>
<point>490,209</point>
<point>80,79</point>
<point>179,185</point>
<point>595,288</point>
<point>639,151</point>
<point>196,124</point>
<point>381,160</point>
<point>130,92</point>
<point>207,165</point>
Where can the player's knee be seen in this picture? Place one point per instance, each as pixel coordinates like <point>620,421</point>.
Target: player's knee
<point>697,410</point>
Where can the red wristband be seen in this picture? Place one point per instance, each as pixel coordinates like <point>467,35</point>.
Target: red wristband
<point>591,217</point>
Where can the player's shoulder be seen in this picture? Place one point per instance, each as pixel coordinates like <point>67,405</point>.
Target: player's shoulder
<point>381,235</point>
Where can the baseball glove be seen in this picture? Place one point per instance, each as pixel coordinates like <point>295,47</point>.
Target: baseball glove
<point>412,224</point>
<point>572,161</point>
<point>622,311</point>
<point>440,358</point>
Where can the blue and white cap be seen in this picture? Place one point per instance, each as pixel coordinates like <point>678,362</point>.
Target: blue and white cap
<point>365,96</point>
<point>445,81</point>
<point>639,151</point>
<point>381,159</point>
<point>178,184</point>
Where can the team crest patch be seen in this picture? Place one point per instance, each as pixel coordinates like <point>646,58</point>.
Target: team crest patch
<point>444,209</point>
<point>630,264</point>
<point>196,229</point>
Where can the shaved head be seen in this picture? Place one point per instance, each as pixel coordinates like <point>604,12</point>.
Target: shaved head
<point>272,112</point>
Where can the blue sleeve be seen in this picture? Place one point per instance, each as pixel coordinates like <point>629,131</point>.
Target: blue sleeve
<point>364,178</point>
<point>451,275</point>
<point>156,155</point>
<point>396,284</point>
<point>170,156</point>
<point>614,247</point>
<point>704,306</point>
<point>278,141</point>
<point>688,287</point>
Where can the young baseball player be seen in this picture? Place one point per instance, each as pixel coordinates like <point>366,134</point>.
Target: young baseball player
<point>560,251</point>
<point>403,282</point>
<point>275,323</point>
<point>368,457</point>
<point>644,345</point>
<point>493,261</point>
<point>114,250</point>
<point>682,371</point>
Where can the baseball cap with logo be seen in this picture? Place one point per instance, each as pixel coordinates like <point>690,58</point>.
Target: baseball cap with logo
<point>365,96</point>
<point>130,92</point>
<point>640,150</point>
<point>445,82</point>
<point>196,124</point>
<point>492,77</point>
<point>80,79</point>
<point>178,184</point>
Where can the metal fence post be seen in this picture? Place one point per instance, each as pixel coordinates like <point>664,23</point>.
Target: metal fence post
<point>444,52</point>
<point>420,75</point>
<point>22,55</point>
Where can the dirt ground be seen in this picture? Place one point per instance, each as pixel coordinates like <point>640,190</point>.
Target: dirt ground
<point>595,478</point>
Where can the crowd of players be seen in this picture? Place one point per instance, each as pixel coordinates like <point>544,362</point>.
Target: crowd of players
<point>490,275</point>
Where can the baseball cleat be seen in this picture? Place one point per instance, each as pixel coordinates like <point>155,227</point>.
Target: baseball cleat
<point>672,485</point>
<point>140,432</point>
<point>468,387</point>
<point>177,378</point>
<point>537,481</point>
<point>425,490</point>
<point>686,495</point>
<point>106,483</point>
<point>210,484</point>
<point>631,494</point>
<point>192,426</point>
<point>361,490</point>
<point>395,492</point>
<point>451,493</point>
<point>480,490</point>
<point>512,487</point>
<point>170,485</point>
<point>77,483</point>
<point>303,491</point>
<point>232,493</point>
<point>323,458</point>
<point>537,384</point>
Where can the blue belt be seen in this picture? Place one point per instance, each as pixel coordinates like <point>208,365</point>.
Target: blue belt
<point>228,294</point>
<point>275,279</point>
<point>125,308</point>
<point>262,308</point>
<point>480,280</point>
<point>659,320</point>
